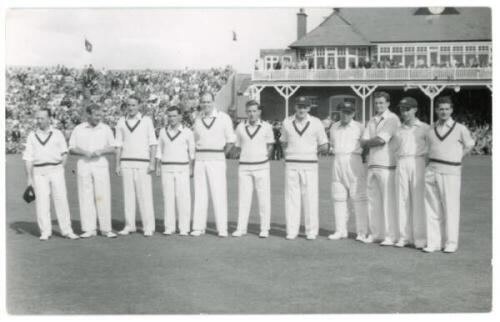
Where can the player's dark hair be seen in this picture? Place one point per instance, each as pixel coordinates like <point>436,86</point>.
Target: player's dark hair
<point>48,110</point>
<point>92,107</point>
<point>444,100</point>
<point>383,94</point>
<point>208,93</point>
<point>174,108</point>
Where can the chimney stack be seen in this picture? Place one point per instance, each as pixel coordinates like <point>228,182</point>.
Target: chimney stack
<point>301,23</point>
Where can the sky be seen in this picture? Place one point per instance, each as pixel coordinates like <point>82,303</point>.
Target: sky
<point>150,38</point>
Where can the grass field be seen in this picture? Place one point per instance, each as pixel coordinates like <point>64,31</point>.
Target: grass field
<point>175,274</point>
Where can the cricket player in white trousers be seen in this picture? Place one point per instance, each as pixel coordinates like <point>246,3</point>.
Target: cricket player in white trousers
<point>411,151</point>
<point>302,136</point>
<point>214,138</point>
<point>349,174</point>
<point>45,157</point>
<point>174,161</point>
<point>378,138</point>
<point>135,161</point>
<point>91,140</point>
<point>255,139</point>
<point>448,142</point>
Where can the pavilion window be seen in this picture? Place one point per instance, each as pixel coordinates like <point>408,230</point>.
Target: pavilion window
<point>409,57</point>
<point>320,58</point>
<point>341,60</point>
<point>471,56</point>
<point>444,56</point>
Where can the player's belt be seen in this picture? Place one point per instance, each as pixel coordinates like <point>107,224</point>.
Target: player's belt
<point>445,162</point>
<point>47,164</point>
<point>209,150</point>
<point>376,166</point>
<point>175,163</point>
<point>134,159</point>
<point>257,162</point>
<point>300,161</point>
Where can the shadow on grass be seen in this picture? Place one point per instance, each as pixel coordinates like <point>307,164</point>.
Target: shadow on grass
<point>278,230</point>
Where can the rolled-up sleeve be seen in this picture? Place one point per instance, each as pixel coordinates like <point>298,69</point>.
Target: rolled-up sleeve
<point>388,129</point>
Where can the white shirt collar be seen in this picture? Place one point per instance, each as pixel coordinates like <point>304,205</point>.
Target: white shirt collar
<point>50,129</point>
<point>214,113</point>
<point>180,127</point>
<point>137,116</point>
<point>87,125</point>
<point>384,115</point>
<point>294,118</point>
<point>259,122</point>
<point>448,123</point>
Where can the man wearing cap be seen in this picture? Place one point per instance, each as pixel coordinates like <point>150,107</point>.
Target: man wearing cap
<point>175,161</point>
<point>135,161</point>
<point>378,138</point>
<point>448,142</point>
<point>349,175</point>
<point>91,140</point>
<point>411,150</point>
<point>214,138</point>
<point>302,136</point>
<point>254,139</point>
<point>45,157</point>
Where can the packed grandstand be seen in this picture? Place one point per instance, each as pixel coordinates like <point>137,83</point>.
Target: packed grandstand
<point>66,90</point>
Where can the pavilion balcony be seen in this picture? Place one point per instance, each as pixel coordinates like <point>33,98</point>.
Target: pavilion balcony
<point>374,74</point>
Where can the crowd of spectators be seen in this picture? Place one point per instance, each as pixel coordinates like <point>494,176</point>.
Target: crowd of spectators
<point>67,90</point>
<point>380,64</point>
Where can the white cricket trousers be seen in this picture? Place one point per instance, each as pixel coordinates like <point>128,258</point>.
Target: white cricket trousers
<point>382,217</point>
<point>301,192</point>
<point>49,180</point>
<point>94,195</point>
<point>410,191</point>
<point>176,194</point>
<point>349,183</point>
<point>137,184</point>
<point>248,180</point>
<point>442,208</point>
<point>210,175</point>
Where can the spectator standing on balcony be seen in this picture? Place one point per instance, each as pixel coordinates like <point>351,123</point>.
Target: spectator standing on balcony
<point>448,141</point>
<point>214,138</point>
<point>303,136</point>
<point>378,138</point>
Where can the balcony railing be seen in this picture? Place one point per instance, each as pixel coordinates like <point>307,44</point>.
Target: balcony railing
<point>373,74</point>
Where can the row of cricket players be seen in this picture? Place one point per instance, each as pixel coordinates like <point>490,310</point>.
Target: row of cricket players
<point>408,195</point>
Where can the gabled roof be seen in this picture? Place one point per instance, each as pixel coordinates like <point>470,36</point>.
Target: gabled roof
<point>378,25</point>
<point>333,31</point>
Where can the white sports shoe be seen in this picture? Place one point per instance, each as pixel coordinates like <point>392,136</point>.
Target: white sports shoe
<point>168,232</point>
<point>238,233</point>
<point>360,237</point>
<point>264,234</point>
<point>387,242</point>
<point>71,236</point>
<point>450,249</point>
<point>429,249</point>
<point>369,239</point>
<point>148,233</point>
<point>89,234</point>
<point>311,237</point>
<point>109,234</point>
<point>126,231</point>
<point>338,235</point>
<point>183,233</point>
<point>223,234</point>
<point>401,243</point>
<point>45,237</point>
<point>291,237</point>
<point>197,233</point>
